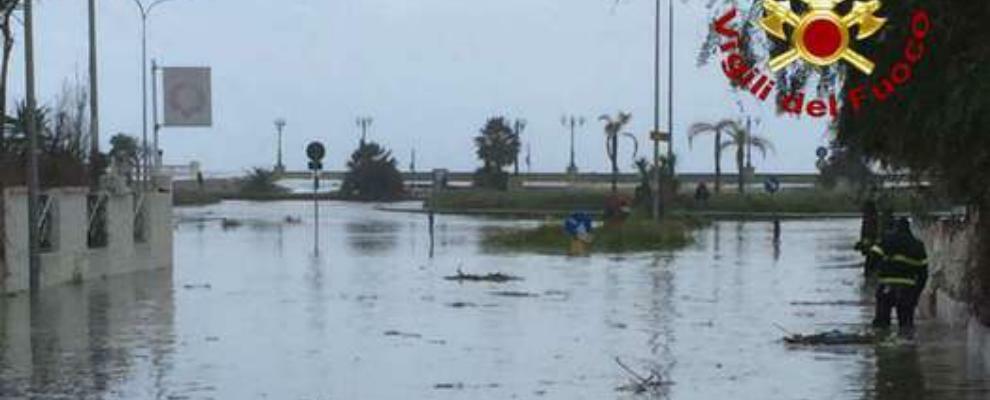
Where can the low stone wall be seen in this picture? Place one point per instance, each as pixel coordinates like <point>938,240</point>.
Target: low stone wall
<point>951,243</point>
<point>70,257</point>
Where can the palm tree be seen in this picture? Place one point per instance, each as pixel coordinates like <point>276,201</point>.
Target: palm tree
<point>613,128</point>
<point>497,146</point>
<point>717,128</point>
<point>740,138</point>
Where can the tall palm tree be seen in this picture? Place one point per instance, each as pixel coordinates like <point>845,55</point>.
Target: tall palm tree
<point>613,128</point>
<point>717,128</point>
<point>740,138</point>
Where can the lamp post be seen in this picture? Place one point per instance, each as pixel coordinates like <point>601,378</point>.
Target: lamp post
<point>656,112</point>
<point>145,13</point>
<point>572,122</point>
<point>364,123</point>
<point>279,126</point>
<point>94,110</point>
<point>34,260</point>
<point>518,127</point>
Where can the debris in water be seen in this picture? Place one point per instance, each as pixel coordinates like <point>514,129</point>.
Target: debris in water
<point>617,325</point>
<point>461,304</point>
<point>831,338</point>
<point>190,286</point>
<point>457,385</point>
<point>460,386</point>
<point>229,223</point>
<point>403,334</point>
<point>292,220</point>
<point>497,277</point>
<point>510,293</point>
<point>652,383</point>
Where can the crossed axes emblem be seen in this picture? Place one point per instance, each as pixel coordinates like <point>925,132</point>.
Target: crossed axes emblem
<point>821,36</point>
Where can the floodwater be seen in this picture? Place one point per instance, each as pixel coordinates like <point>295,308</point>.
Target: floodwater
<point>250,312</point>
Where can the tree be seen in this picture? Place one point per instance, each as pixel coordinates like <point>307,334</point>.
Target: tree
<point>717,128</point>
<point>935,126</point>
<point>613,128</point>
<point>125,153</point>
<point>7,8</point>
<point>497,146</point>
<point>261,181</point>
<point>848,165</point>
<point>372,174</point>
<point>740,138</point>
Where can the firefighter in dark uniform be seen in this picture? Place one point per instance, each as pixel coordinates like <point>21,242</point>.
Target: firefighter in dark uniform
<point>902,275</point>
<point>868,233</point>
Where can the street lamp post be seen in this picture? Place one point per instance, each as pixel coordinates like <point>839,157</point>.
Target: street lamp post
<point>279,125</point>
<point>658,193</point>
<point>34,259</point>
<point>364,123</point>
<point>145,13</point>
<point>518,127</point>
<point>94,110</point>
<point>572,122</point>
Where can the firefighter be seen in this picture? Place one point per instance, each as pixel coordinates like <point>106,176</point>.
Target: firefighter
<point>902,275</point>
<point>869,230</point>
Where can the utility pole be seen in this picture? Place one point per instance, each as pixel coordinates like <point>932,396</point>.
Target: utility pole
<point>279,126</point>
<point>94,104</point>
<point>364,123</point>
<point>572,122</point>
<point>656,113</point>
<point>670,88</point>
<point>34,261</point>
<point>518,127</point>
<point>412,161</point>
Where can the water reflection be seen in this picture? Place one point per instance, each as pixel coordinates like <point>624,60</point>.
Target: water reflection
<point>88,341</point>
<point>375,236</point>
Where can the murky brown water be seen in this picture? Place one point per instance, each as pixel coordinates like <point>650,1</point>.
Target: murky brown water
<point>251,313</point>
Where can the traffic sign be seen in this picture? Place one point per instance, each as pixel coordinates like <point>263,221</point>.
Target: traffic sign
<point>315,151</point>
<point>660,136</point>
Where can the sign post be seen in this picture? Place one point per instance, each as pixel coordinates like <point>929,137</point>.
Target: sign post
<point>315,151</point>
<point>772,186</point>
<point>657,137</point>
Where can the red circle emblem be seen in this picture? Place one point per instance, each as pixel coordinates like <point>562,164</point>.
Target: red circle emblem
<point>822,38</point>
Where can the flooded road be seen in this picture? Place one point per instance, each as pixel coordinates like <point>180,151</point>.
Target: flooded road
<point>250,312</point>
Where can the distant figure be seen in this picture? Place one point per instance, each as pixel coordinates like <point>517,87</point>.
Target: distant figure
<point>868,234</point>
<point>578,226</point>
<point>701,195</point>
<point>902,275</point>
<point>432,220</point>
<point>617,209</point>
<point>199,180</point>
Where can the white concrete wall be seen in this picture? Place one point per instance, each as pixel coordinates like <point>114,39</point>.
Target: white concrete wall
<point>951,248</point>
<point>71,259</point>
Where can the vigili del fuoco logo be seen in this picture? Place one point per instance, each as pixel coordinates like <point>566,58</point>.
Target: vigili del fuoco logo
<point>821,37</point>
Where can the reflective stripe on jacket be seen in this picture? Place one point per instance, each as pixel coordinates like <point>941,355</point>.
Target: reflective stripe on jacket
<point>905,262</point>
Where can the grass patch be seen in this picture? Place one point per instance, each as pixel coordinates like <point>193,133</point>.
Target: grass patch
<point>637,234</point>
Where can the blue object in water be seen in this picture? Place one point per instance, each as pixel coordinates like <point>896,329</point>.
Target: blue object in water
<point>578,223</point>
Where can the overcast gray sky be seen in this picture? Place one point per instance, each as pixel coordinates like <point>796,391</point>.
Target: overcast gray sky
<point>429,71</point>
